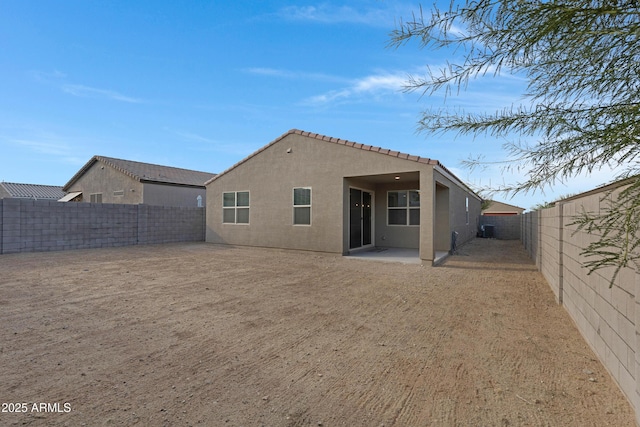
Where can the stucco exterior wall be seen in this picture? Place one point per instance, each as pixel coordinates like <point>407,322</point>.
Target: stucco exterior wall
<point>173,195</point>
<point>119,188</point>
<point>330,170</point>
<point>458,221</point>
<point>395,236</point>
<point>103,179</point>
<point>270,177</point>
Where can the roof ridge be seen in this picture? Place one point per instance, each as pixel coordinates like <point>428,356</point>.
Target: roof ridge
<point>109,161</point>
<point>338,141</point>
<point>24,183</point>
<point>120,165</point>
<point>151,164</point>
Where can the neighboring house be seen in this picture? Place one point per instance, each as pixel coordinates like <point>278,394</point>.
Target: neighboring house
<point>108,180</point>
<point>501,209</point>
<point>312,192</point>
<point>12,190</point>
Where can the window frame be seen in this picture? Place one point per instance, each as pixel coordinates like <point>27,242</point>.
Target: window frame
<point>235,208</point>
<point>300,206</point>
<point>407,208</point>
<point>95,198</point>
<point>467,209</point>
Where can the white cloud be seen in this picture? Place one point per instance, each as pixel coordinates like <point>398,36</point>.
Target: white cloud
<point>47,76</point>
<point>91,92</point>
<point>331,14</point>
<point>371,85</point>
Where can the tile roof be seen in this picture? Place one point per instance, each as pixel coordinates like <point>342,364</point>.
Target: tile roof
<point>33,191</point>
<point>347,143</point>
<point>148,172</point>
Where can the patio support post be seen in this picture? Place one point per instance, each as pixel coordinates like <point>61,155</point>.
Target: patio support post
<point>427,215</point>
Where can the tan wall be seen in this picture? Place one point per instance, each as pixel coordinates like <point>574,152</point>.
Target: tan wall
<point>442,228</point>
<point>605,316</point>
<point>457,212</point>
<point>271,176</point>
<point>104,179</point>
<point>395,236</point>
<point>608,318</point>
<point>551,249</point>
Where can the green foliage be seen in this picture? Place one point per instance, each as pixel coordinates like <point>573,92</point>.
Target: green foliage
<point>485,204</point>
<point>617,225</point>
<point>582,105</point>
<point>543,205</point>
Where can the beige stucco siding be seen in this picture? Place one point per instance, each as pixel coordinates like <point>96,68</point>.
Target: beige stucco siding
<point>105,180</point>
<point>299,161</point>
<point>118,187</point>
<point>457,218</point>
<point>172,195</point>
<point>394,236</point>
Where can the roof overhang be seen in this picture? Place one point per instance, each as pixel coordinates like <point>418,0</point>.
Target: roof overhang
<point>69,197</point>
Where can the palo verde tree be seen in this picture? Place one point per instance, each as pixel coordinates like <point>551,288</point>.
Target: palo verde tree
<point>581,60</point>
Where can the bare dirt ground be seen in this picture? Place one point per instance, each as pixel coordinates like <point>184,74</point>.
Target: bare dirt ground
<point>198,334</point>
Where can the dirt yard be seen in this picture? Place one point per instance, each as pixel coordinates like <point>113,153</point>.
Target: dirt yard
<point>198,334</point>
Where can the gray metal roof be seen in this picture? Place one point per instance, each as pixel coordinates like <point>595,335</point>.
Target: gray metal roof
<point>33,191</point>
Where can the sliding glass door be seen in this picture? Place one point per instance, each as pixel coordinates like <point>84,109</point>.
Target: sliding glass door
<point>360,218</point>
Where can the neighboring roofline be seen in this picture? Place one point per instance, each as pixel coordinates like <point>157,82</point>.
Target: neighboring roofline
<point>10,190</point>
<point>86,167</point>
<point>385,151</point>
<point>107,161</point>
<point>503,203</point>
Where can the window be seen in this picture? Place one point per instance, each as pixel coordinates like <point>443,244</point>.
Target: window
<point>235,207</point>
<point>466,205</point>
<point>403,207</point>
<point>302,206</point>
<point>96,198</point>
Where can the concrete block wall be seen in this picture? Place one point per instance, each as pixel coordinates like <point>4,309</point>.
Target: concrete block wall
<point>530,234</point>
<point>550,249</point>
<point>35,226</point>
<point>506,227</point>
<point>607,317</point>
<point>160,224</point>
<point>604,315</point>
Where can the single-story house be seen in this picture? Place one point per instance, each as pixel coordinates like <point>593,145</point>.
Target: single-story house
<point>12,190</point>
<point>312,192</point>
<point>108,180</point>
<point>496,208</point>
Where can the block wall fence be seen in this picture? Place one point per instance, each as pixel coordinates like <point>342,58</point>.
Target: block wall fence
<point>608,318</point>
<point>506,227</point>
<point>39,225</point>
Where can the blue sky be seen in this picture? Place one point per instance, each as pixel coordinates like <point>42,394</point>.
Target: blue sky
<point>203,84</point>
